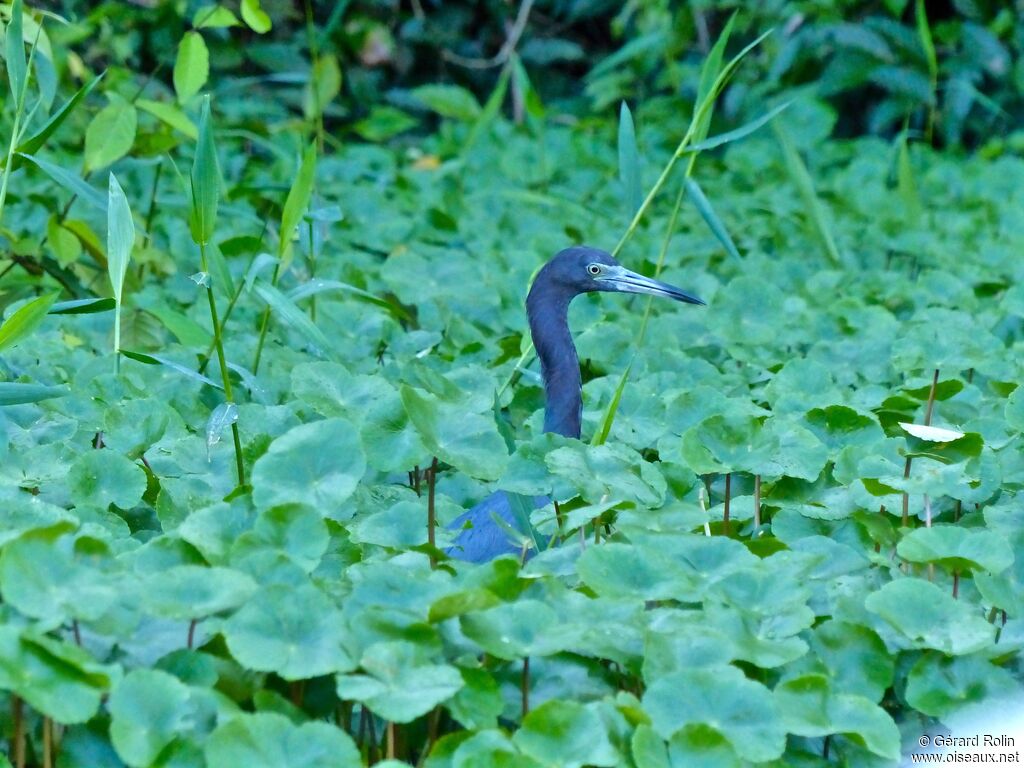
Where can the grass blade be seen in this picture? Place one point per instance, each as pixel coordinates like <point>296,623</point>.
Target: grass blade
<point>14,52</point>
<point>148,359</point>
<point>629,161</point>
<point>36,141</point>
<point>737,133</point>
<point>296,203</point>
<point>318,286</point>
<point>703,205</point>
<point>120,241</point>
<point>709,73</point>
<point>286,309</point>
<point>802,178</point>
<point>82,306</point>
<point>205,181</point>
<point>25,320</point>
<point>16,393</point>
<point>70,181</point>
<point>905,183</point>
<point>605,427</point>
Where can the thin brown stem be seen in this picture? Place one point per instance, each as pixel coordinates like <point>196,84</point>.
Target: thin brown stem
<point>47,743</point>
<point>18,739</point>
<point>389,737</point>
<point>509,46</point>
<point>524,687</point>
<point>726,523</point>
<point>192,633</point>
<point>431,512</point>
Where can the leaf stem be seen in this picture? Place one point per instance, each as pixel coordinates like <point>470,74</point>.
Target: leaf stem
<point>224,373</point>
<point>524,687</point>
<point>431,513</point>
<point>18,737</point>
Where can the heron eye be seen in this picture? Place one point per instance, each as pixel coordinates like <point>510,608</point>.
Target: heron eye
<point>594,269</point>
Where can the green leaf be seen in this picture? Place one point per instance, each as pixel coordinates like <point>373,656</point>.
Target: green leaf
<point>468,441</point>
<point>105,477</point>
<point>186,592</point>
<point>58,680</point>
<point>721,699</point>
<point>70,181</point>
<point>400,685</point>
<point>28,317</point>
<point>815,209</point>
<point>709,73</point>
<point>214,17</point>
<point>286,310</point>
<point>82,306</point>
<point>924,34</point>
<point>14,53</point>
<point>148,710</point>
<point>205,180</point>
<point>737,133</point>
<point>607,419</point>
<point>142,357</point>
<point>566,733</point>
<point>15,393</point>
<point>110,135</point>
<point>49,575</point>
<point>171,115</point>
<point>317,465</point>
<point>1014,410</point>
<point>449,101</point>
<point>323,86</point>
<point>929,617</point>
<point>629,162</point>
<point>120,237</point>
<point>36,141</point>
<point>939,685</point>
<point>514,630</point>
<point>957,548</point>
<point>191,67</point>
<point>298,200</point>
<point>270,740</point>
<point>294,631</point>
<point>255,17</point>
<point>703,206</point>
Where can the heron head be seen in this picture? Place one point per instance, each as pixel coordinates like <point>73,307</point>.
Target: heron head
<point>586,269</point>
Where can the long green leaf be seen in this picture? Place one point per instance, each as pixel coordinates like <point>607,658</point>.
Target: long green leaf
<point>25,320</point>
<point>924,32</point>
<point>629,161</point>
<point>489,112</point>
<point>286,310</point>
<point>737,133</point>
<point>205,180</point>
<point>120,241</point>
<point>703,205</point>
<point>36,141</point>
<point>70,181</point>
<point>82,306</point>
<point>120,236</point>
<point>708,75</point>
<point>148,359</point>
<point>17,393</point>
<point>296,203</point>
<point>318,286</point>
<point>802,178</point>
<point>605,427</point>
<point>14,52</point>
<point>905,181</point>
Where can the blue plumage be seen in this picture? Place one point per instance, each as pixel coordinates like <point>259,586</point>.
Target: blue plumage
<point>568,274</point>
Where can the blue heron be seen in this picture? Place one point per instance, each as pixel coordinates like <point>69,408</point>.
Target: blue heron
<point>568,274</point>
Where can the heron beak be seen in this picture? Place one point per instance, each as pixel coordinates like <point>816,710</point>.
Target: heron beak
<point>626,281</point>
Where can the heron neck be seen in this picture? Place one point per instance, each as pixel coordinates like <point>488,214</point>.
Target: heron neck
<point>547,308</point>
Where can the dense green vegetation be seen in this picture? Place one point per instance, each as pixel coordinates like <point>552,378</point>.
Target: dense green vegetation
<point>261,323</point>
